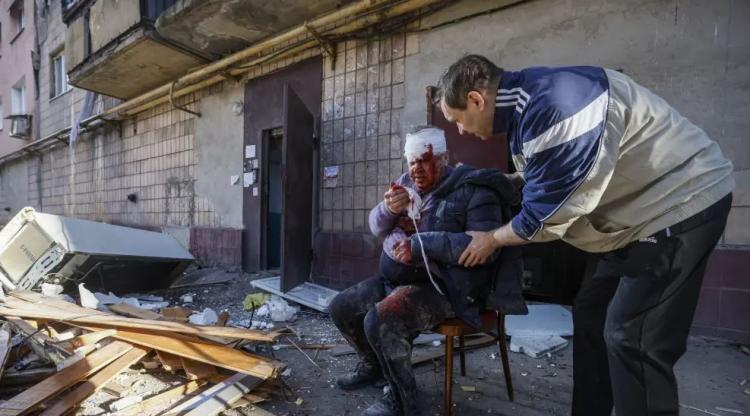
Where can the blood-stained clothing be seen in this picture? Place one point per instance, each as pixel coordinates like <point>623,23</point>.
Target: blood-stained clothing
<point>396,227</point>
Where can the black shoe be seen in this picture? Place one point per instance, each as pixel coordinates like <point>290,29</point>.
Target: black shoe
<point>386,406</point>
<point>365,374</point>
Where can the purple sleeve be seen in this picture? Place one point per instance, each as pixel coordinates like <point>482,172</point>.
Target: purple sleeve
<point>382,221</point>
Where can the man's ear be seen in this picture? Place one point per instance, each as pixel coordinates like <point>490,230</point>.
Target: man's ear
<point>476,98</point>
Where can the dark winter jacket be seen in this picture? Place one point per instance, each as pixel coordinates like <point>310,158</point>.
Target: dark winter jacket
<point>472,200</point>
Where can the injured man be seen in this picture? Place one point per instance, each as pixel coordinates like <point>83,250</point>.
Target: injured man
<point>423,219</point>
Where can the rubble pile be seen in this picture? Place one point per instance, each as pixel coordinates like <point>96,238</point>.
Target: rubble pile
<point>55,354</point>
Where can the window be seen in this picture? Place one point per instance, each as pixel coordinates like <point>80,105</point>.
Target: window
<point>18,98</point>
<point>16,13</point>
<point>59,76</point>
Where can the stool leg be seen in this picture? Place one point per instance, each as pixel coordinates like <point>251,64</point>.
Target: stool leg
<point>448,393</point>
<point>504,353</point>
<point>463,355</point>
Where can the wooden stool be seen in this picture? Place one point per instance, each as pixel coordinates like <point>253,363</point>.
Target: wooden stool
<point>455,327</point>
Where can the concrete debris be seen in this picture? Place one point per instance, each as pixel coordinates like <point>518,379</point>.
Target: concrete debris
<point>207,317</point>
<point>153,306</point>
<point>125,402</point>
<point>52,290</point>
<point>187,298</point>
<point>308,294</point>
<point>277,309</point>
<point>146,298</point>
<point>541,320</point>
<point>88,300</point>
<point>92,411</point>
<point>537,346</point>
<point>429,338</point>
<point>97,300</point>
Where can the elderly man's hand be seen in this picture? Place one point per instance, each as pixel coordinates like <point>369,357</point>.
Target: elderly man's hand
<point>482,245</point>
<point>402,251</point>
<point>396,199</point>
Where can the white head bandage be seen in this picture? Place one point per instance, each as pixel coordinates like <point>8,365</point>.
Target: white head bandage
<point>418,143</point>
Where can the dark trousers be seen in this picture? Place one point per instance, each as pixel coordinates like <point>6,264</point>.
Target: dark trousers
<point>381,320</point>
<point>632,316</point>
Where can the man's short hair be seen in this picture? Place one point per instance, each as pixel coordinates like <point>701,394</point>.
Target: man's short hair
<point>470,73</point>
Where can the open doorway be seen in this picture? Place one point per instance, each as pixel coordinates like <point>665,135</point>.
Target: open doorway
<point>272,188</point>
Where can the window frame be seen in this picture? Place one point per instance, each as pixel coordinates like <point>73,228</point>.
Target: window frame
<point>18,90</point>
<point>55,83</point>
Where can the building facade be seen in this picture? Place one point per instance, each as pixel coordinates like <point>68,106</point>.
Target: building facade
<point>17,77</point>
<point>213,160</point>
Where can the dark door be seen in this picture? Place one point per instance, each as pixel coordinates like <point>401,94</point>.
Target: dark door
<point>297,190</point>
<point>265,110</point>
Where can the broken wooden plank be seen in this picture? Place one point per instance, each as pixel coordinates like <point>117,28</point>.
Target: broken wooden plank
<point>205,352</point>
<point>93,384</point>
<point>162,398</point>
<point>92,337</point>
<point>169,361</point>
<point>176,314</point>
<point>224,398</point>
<point>135,312</point>
<point>41,311</point>
<point>5,336</point>
<point>196,370</point>
<point>47,388</point>
<point>213,397</point>
<point>37,340</point>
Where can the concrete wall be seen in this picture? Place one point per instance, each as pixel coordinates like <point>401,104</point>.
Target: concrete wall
<point>15,63</point>
<point>692,53</point>
<point>218,153</point>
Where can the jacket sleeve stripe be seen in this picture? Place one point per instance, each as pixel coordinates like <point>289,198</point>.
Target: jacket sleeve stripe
<point>569,129</point>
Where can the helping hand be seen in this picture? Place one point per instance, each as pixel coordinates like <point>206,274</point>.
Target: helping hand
<point>482,246</point>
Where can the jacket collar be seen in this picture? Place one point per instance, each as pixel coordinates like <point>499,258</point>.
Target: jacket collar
<point>509,94</point>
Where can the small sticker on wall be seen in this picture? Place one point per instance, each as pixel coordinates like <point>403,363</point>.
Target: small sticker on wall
<point>248,178</point>
<point>234,179</point>
<point>249,151</point>
<point>255,191</point>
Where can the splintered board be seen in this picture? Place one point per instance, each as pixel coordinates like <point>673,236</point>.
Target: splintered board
<point>93,384</point>
<point>35,306</point>
<point>30,398</point>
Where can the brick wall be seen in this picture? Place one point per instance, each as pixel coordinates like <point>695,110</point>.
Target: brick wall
<point>362,133</point>
<point>724,304</point>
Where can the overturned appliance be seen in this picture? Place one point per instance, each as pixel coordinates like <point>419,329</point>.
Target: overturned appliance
<point>37,247</point>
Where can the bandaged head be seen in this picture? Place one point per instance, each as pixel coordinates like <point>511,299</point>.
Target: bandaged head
<point>429,140</point>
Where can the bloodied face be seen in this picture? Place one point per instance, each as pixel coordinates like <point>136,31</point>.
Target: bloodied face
<point>424,171</point>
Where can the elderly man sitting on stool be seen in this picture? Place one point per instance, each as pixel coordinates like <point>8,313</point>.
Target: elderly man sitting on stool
<point>423,219</point>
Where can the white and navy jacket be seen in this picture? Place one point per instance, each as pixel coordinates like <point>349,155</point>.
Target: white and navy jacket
<point>605,160</point>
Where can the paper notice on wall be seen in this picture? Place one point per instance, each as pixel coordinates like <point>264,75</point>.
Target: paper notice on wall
<point>248,178</point>
<point>330,176</point>
<point>249,151</point>
<point>255,191</point>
